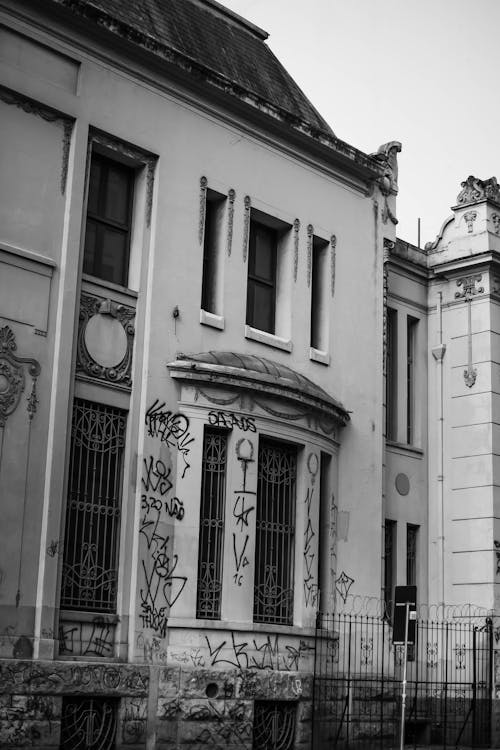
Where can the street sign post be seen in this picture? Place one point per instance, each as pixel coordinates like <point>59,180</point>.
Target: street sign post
<point>404,630</point>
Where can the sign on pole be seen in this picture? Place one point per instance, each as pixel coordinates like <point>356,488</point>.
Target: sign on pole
<point>404,595</point>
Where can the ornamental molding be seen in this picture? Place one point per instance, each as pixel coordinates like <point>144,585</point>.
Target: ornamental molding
<point>470,217</point>
<point>246,226</point>
<point>203,208</point>
<point>468,284</point>
<point>12,377</point>
<point>121,373</point>
<point>137,155</point>
<point>310,234</point>
<point>296,228</point>
<point>48,114</point>
<point>333,249</point>
<point>475,190</point>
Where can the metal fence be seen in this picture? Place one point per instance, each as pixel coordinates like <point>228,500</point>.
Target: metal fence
<point>358,684</point>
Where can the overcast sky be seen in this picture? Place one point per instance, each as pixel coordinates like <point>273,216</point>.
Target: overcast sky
<point>423,72</point>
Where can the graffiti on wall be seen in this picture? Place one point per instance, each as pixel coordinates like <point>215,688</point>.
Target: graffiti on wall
<point>157,485</point>
<point>55,678</point>
<point>230,420</point>
<point>311,590</point>
<point>244,505</point>
<point>267,652</point>
<point>94,638</point>
<point>172,428</point>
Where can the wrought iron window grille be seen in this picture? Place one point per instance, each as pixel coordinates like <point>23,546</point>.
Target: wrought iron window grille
<point>274,725</point>
<point>88,723</point>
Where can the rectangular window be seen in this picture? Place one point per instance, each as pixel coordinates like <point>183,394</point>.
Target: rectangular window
<point>88,723</point>
<point>109,216</point>
<point>411,339</point>
<point>275,533</point>
<point>210,549</point>
<point>389,564</point>
<point>411,554</point>
<point>319,295</point>
<point>212,256</point>
<point>274,725</point>
<point>90,565</point>
<point>261,290</point>
<point>391,382</point>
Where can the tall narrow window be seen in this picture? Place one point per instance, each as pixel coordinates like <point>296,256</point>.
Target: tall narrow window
<point>411,339</point>
<point>213,495</point>
<point>261,290</point>
<point>109,211</point>
<point>389,564</point>
<point>411,554</point>
<point>90,566</point>
<point>319,295</point>
<point>391,383</point>
<point>212,256</point>
<point>275,533</point>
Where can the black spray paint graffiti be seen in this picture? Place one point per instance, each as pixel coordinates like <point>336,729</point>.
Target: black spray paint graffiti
<point>268,654</point>
<point>156,480</point>
<point>241,511</point>
<point>230,420</point>
<point>343,585</point>
<point>172,429</point>
<point>162,587</point>
<point>86,639</point>
<point>311,591</point>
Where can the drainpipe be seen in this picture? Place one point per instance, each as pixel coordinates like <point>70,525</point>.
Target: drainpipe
<point>438,354</point>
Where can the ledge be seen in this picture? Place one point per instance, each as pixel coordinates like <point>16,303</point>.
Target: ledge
<point>404,448</point>
<point>247,627</point>
<point>263,337</point>
<point>211,319</point>
<point>16,256</point>
<point>316,355</point>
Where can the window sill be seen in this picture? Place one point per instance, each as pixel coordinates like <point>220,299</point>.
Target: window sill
<point>404,448</point>
<point>109,285</point>
<point>269,339</point>
<point>210,319</point>
<point>225,625</point>
<point>319,356</point>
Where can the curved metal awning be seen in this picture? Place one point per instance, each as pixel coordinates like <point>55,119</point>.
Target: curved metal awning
<point>233,370</point>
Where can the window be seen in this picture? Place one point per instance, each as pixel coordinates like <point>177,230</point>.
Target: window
<point>212,258</point>
<point>411,554</point>
<point>319,295</point>
<point>275,532</point>
<point>274,725</point>
<point>391,383</point>
<point>213,497</point>
<point>88,723</point>
<point>389,564</point>
<point>109,212</point>
<point>261,291</point>
<point>411,337</point>
<point>90,565</point>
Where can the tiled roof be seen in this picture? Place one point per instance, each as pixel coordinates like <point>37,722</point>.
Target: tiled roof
<point>211,37</point>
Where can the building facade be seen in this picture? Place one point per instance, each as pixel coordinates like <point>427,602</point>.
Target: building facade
<point>191,379</point>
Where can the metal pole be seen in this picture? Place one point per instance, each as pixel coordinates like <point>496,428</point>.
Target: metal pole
<point>403,696</point>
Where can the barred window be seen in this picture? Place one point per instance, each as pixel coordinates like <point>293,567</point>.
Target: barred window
<point>90,566</point>
<point>213,497</point>
<point>275,531</point>
<point>274,725</point>
<point>88,723</point>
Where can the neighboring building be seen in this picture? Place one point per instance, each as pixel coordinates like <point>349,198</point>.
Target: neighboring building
<point>191,379</point>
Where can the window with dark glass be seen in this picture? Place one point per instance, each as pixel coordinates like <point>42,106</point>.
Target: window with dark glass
<point>391,382</point>
<point>261,290</point>
<point>211,279</point>
<point>319,294</point>
<point>210,549</point>
<point>90,564</point>
<point>109,211</point>
<point>411,554</point>
<point>275,533</point>
<point>411,338</point>
<point>389,564</point>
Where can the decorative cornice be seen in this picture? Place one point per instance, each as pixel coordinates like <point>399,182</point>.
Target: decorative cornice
<point>12,377</point>
<point>49,115</point>
<point>246,226</point>
<point>203,208</point>
<point>296,228</point>
<point>310,234</point>
<point>475,190</point>
<point>119,374</point>
<point>144,158</point>
<point>333,246</point>
<point>231,196</point>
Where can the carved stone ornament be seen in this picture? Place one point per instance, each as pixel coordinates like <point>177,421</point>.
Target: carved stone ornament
<point>475,190</point>
<point>203,208</point>
<point>231,196</point>
<point>296,228</point>
<point>105,326</point>
<point>333,248</point>
<point>495,218</point>
<point>468,284</point>
<point>246,226</point>
<point>310,234</point>
<point>12,377</point>
<point>470,217</point>
<point>49,115</point>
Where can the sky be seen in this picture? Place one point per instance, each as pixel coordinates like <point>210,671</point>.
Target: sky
<point>422,72</point>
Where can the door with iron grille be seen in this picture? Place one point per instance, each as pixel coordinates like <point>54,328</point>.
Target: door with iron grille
<point>274,725</point>
<point>88,724</point>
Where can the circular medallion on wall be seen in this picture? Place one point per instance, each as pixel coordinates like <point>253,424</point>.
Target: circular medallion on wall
<point>402,484</point>
<point>106,340</point>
